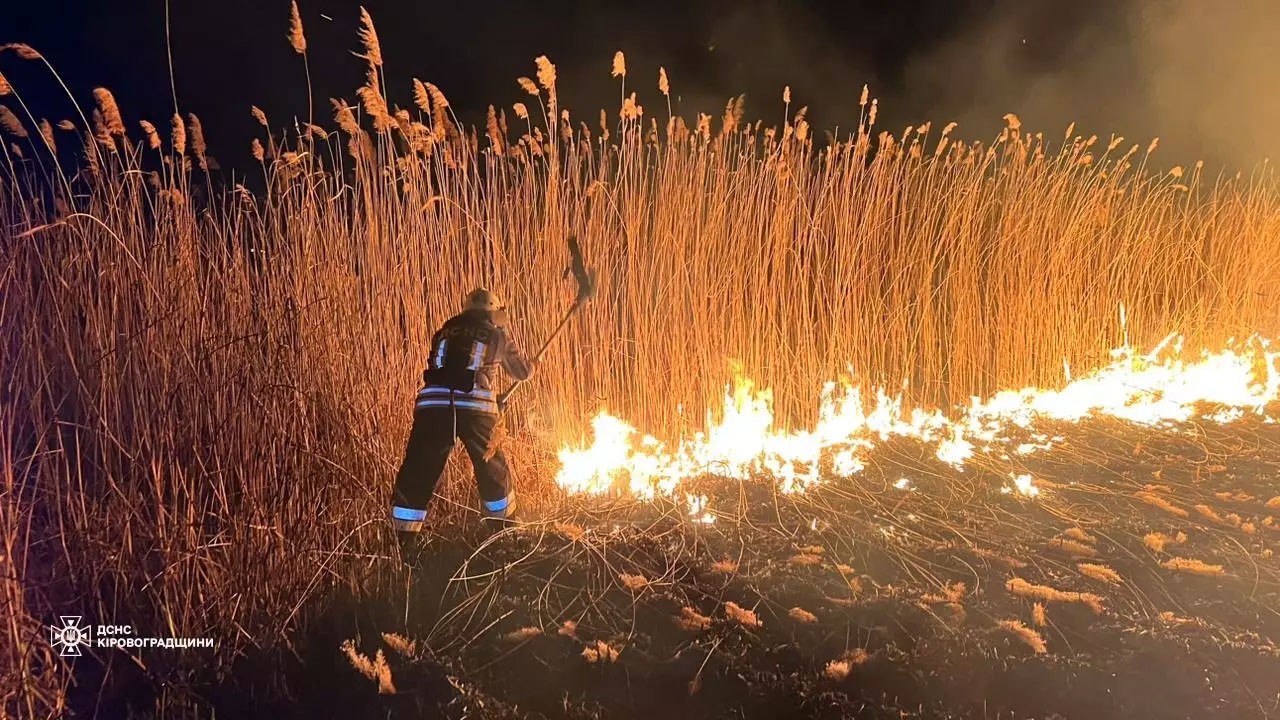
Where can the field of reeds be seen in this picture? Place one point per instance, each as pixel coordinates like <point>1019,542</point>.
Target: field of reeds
<point>207,388</point>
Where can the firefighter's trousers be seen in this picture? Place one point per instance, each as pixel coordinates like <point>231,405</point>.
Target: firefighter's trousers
<point>435,431</point>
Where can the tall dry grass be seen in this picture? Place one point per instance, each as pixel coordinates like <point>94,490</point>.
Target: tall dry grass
<point>207,389</point>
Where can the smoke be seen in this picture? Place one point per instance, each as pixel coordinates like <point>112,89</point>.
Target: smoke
<point>1200,75</point>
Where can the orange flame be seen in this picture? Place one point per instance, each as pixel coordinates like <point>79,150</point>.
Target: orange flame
<point>1155,389</point>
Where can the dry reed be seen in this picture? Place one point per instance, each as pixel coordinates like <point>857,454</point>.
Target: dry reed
<point>1210,513</point>
<point>840,668</point>
<point>110,111</point>
<point>153,137</point>
<point>741,615</point>
<point>1079,535</point>
<point>198,147</point>
<point>691,620</point>
<point>1025,634</point>
<point>1157,501</point>
<point>570,531</point>
<point>633,582</point>
<point>600,652</point>
<point>402,645</point>
<point>377,669</point>
<point>1099,572</point>
<point>953,593</point>
<point>1022,588</point>
<point>1074,548</point>
<point>369,37</point>
<point>522,634</point>
<point>178,132</point>
<point>804,559</point>
<point>296,37</point>
<point>11,123</point>
<point>229,364</point>
<point>801,615</point>
<point>1194,567</point>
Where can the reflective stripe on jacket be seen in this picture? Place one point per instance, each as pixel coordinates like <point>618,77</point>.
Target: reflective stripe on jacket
<point>479,399</point>
<point>467,351</point>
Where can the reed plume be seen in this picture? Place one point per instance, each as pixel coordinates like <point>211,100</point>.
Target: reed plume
<point>11,123</point>
<point>153,137</point>
<point>178,134</point>
<point>296,37</point>
<point>198,147</point>
<point>22,50</point>
<point>110,111</point>
<point>369,37</point>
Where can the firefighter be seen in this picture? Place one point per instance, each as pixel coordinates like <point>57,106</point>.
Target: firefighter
<point>457,401</point>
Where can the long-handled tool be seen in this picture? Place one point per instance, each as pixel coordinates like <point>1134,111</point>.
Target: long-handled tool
<point>586,281</point>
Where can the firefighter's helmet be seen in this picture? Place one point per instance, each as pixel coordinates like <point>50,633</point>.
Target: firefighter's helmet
<point>483,299</point>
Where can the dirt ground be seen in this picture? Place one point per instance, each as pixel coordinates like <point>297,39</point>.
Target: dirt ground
<point>866,598</point>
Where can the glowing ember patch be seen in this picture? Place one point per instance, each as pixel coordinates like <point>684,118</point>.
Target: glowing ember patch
<point>1024,486</point>
<point>1228,416</point>
<point>1155,389</point>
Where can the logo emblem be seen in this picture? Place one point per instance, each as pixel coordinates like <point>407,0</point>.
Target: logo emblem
<point>70,636</point>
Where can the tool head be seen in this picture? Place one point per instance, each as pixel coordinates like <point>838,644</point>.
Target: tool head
<point>586,279</point>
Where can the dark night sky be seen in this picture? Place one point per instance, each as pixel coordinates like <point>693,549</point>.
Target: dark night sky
<point>1099,62</point>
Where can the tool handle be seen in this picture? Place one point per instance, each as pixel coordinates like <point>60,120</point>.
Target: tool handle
<point>537,357</point>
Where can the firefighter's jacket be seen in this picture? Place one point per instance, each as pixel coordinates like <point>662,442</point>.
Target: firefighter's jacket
<point>465,355</point>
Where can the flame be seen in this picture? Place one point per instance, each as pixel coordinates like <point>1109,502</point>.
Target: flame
<point>1022,484</point>
<point>1157,389</point>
